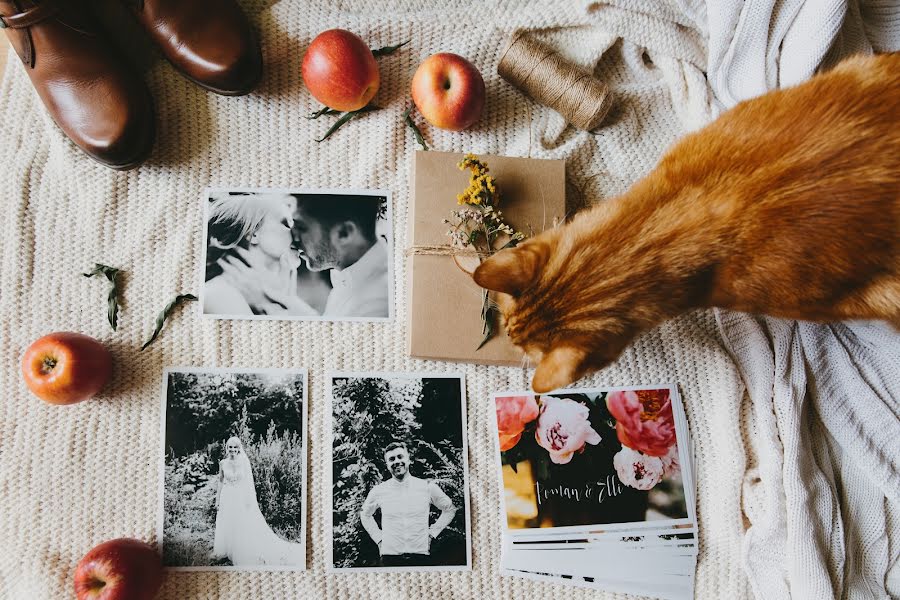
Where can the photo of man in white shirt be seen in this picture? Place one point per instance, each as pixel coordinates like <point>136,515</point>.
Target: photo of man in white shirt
<point>405,536</point>
<point>399,483</point>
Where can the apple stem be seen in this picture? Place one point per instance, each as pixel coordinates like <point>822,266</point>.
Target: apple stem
<point>48,364</point>
<point>97,584</point>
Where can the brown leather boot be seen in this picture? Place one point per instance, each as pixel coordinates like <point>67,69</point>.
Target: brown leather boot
<point>210,41</point>
<point>101,105</point>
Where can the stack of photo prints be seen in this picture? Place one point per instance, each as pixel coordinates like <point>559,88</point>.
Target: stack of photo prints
<point>596,485</point>
<point>598,490</point>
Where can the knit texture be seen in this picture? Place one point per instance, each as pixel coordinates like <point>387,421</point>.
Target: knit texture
<point>71,477</point>
<point>822,488</point>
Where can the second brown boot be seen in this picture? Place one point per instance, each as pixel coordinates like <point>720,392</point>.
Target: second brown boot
<point>99,103</point>
<point>209,41</point>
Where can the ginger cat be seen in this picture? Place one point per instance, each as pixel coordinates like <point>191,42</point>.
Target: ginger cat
<point>787,205</point>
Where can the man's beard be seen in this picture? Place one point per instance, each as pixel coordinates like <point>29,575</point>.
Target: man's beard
<point>325,258</point>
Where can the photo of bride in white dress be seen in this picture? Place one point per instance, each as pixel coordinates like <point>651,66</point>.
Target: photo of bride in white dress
<point>234,470</point>
<point>242,534</point>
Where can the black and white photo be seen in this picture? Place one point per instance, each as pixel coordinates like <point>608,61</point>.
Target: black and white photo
<point>399,492</point>
<point>234,469</point>
<point>297,254</point>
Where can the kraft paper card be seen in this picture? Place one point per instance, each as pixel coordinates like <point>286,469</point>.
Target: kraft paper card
<point>445,304</point>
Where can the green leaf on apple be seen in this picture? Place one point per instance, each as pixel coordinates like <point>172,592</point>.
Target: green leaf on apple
<point>161,319</point>
<point>112,312</point>
<point>346,117</point>
<point>388,49</point>
<point>412,124</point>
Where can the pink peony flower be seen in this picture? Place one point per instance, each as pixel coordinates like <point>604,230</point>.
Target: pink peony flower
<point>644,420</point>
<point>563,428</point>
<point>513,414</point>
<point>670,461</point>
<point>638,470</point>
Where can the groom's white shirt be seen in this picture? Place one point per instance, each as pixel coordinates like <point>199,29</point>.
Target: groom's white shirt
<point>362,289</point>
<point>405,509</point>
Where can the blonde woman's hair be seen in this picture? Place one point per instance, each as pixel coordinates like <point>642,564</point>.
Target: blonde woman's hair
<point>243,214</point>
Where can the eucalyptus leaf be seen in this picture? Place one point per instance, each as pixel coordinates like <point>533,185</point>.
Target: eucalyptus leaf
<point>488,334</point>
<point>510,244</point>
<point>322,111</point>
<point>389,49</point>
<point>161,319</point>
<point>488,317</point>
<point>112,311</point>
<point>416,131</point>
<point>346,117</point>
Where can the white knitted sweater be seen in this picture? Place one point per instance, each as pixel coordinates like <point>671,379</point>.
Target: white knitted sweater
<point>71,477</point>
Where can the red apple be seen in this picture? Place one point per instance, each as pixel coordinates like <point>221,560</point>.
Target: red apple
<point>121,569</point>
<point>449,92</point>
<point>66,367</point>
<point>340,70</point>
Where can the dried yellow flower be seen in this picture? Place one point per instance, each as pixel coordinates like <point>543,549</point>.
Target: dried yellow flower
<point>481,227</point>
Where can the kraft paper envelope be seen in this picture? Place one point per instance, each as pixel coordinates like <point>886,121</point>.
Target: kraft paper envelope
<point>445,304</point>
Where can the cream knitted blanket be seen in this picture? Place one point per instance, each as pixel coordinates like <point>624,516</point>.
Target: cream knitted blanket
<point>822,491</point>
<point>72,477</point>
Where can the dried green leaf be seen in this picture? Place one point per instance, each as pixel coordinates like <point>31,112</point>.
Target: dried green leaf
<point>488,334</point>
<point>112,311</point>
<point>388,49</point>
<point>346,117</point>
<point>161,319</point>
<point>416,131</point>
<point>489,315</point>
<point>510,244</point>
<point>322,111</point>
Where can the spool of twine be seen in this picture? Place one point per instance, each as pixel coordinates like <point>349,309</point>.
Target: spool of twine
<point>547,77</point>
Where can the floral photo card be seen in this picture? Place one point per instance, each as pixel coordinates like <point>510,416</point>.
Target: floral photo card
<point>595,481</point>
<point>593,457</point>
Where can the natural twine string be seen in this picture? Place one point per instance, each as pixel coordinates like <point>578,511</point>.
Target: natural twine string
<point>445,250</point>
<point>544,75</point>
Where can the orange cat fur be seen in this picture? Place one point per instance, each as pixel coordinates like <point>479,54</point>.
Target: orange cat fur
<point>787,205</point>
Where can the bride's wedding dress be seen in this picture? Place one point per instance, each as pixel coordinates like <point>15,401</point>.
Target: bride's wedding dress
<point>242,533</point>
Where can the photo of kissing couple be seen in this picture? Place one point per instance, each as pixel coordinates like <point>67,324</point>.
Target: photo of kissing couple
<point>297,254</point>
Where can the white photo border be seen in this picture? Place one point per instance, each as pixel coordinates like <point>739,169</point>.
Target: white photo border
<point>330,376</point>
<point>304,417</point>
<point>392,284</point>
